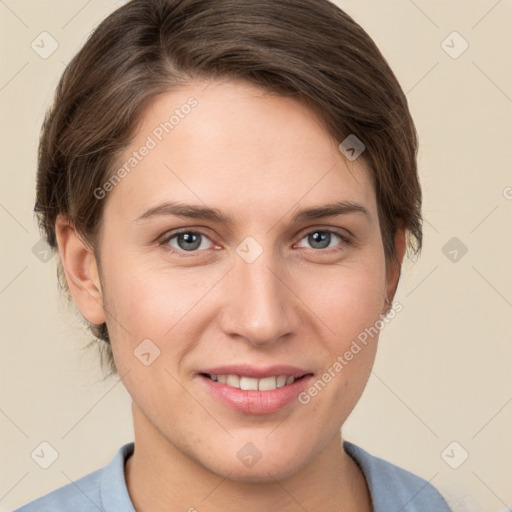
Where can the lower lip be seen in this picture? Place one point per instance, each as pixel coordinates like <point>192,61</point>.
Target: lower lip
<point>256,402</point>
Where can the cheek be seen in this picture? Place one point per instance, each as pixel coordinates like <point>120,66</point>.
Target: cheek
<point>349,302</point>
<point>348,298</point>
<point>150,303</point>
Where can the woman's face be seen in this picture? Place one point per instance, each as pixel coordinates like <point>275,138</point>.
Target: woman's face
<point>252,287</point>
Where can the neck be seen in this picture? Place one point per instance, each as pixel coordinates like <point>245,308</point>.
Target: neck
<point>161,478</point>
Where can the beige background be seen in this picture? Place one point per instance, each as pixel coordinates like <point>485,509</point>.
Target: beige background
<point>443,371</point>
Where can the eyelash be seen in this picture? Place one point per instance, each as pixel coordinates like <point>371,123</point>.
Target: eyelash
<point>164,242</point>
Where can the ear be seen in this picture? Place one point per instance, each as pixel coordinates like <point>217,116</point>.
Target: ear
<point>393,268</point>
<point>81,271</point>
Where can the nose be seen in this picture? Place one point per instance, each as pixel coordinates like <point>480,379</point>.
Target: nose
<point>260,307</point>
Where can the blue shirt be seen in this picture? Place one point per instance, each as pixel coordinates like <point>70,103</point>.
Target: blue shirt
<point>392,488</point>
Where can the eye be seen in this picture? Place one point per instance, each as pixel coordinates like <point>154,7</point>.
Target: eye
<point>188,241</point>
<point>324,238</point>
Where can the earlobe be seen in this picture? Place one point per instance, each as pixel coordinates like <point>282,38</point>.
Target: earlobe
<point>81,270</point>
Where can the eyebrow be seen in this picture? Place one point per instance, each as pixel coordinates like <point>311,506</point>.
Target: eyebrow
<point>213,214</point>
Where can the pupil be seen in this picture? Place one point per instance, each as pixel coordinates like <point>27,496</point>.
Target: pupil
<point>190,239</point>
<point>319,238</point>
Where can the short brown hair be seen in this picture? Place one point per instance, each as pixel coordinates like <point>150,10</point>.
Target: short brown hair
<point>308,49</point>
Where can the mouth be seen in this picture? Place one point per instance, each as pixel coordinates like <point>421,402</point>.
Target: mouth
<point>252,390</point>
<point>253,384</point>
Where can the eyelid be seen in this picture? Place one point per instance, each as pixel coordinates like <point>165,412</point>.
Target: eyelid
<point>345,236</point>
<point>342,233</point>
<point>166,238</point>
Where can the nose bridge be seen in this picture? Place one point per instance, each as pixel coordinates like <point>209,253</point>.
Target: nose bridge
<point>259,305</point>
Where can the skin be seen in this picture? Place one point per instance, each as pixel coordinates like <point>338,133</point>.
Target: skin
<point>259,158</point>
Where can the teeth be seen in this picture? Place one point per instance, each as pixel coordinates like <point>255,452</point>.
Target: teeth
<point>267,384</point>
<point>233,381</point>
<point>249,383</point>
<point>281,381</point>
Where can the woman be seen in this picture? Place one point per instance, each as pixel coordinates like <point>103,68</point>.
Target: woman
<point>231,187</point>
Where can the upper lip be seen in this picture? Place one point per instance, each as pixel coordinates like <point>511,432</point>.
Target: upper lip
<point>247,370</point>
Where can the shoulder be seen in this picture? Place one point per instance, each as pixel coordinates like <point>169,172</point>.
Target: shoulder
<point>83,495</point>
<point>392,487</point>
<point>102,490</point>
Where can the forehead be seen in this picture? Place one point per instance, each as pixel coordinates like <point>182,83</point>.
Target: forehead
<point>236,147</point>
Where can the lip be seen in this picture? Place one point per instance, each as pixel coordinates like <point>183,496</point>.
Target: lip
<point>257,373</point>
<point>252,401</point>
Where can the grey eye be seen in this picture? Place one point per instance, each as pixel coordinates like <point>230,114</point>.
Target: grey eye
<point>188,241</point>
<point>321,239</point>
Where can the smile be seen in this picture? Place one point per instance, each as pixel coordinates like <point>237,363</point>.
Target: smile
<point>250,383</point>
<point>255,390</point>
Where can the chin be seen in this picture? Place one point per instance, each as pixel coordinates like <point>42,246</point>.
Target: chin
<point>260,473</point>
<point>251,465</point>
